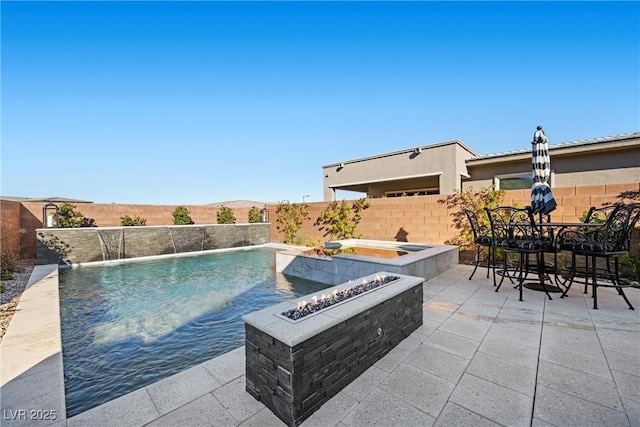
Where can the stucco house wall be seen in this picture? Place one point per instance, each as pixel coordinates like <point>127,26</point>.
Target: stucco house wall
<point>604,161</point>
<point>438,165</point>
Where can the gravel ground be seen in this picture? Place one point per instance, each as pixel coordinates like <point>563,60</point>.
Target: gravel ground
<point>11,293</point>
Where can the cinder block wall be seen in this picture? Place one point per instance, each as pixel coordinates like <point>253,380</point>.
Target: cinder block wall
<point>108,215</point>
<point>426,219</point>
<point>423,219</point>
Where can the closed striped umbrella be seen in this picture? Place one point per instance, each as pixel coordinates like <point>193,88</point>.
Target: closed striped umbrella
<point>542,200</point>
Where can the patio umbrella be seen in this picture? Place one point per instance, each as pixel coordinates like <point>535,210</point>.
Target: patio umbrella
<point>542,200</point>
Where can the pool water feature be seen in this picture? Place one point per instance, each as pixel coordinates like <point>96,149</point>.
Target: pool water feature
<point>127,326</point>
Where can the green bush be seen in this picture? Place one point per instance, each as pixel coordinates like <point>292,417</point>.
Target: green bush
<point>313,242</point>
<point>181,216</point>
<point>339,220</point>
<point>69,217</point>
<point>487,197</point>
<point>630,266</point>
<point>254,215</point>
<point>136,221</point>
<point>225,215</point>
<point>290,217</point>
<point>88,222</point>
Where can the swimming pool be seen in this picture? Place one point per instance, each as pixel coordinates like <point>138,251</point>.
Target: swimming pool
<point>127,326</point>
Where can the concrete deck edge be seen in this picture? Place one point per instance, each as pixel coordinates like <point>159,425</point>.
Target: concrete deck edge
<point>31,368</point>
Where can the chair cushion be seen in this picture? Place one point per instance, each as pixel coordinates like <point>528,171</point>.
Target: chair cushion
<point>585,246</point>
<point>484,241</point>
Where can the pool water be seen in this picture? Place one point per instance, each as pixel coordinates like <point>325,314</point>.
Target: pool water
<point>127,326</point>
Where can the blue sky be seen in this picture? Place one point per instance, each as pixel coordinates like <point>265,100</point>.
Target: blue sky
<point>200,102</point>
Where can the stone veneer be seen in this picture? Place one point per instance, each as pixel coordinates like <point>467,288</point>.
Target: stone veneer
<point>78,245</point>
<point>427,263</point>
<point>294,367</point>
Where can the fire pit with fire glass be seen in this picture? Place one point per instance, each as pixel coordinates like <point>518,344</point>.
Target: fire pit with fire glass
<point>301,353</point>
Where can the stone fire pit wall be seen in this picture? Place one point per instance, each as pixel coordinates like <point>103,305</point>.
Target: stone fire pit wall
<point>294,367</point>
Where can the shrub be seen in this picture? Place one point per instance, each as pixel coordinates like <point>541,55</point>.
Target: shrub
<point>630,266</point>
<point>254,215</point>
<point>340,221</point>
<point>181,216</point>
<point>225,215</point>
<point>136,221</point>
<point>69,217</point>
<point>487,197</point>
<point>8,265</point>
<point>313,242</point>
<point>290,217</point>
<point>88,222</point>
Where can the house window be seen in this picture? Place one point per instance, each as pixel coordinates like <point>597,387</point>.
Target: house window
<point>421,192</point>
<point>517,181</point>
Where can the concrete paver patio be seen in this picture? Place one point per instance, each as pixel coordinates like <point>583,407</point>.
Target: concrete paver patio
<point>481,358</point>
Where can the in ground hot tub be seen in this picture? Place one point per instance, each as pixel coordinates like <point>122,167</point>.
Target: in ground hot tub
<point>412,259</point>
<point>294,364</point>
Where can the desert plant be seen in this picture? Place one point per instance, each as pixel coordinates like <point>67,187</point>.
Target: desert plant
<point>630,266</point>
<point>8,265</point>
<point>254,215</point>
<point>136,221</point>
<point>487,197</point>
<point>181,216</point>
<point>69,217</point>
<point>340,221</point>
<point>312,242</point>
<point>88,222</point>
<point>225,215</point>
<point>290,217</point>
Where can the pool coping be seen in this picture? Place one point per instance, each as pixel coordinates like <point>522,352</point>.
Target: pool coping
<point>32,372</point>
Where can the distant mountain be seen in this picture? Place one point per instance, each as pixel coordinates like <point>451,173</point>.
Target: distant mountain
<point>238,204</point>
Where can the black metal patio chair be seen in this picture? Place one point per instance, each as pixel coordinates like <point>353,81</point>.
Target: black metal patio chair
<point>482,238</point>
<point>605,242</point>
<point>515,231</point>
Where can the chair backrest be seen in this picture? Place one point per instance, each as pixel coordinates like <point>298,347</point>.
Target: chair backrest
<point>509,224</point>
<point>600,215</point>
<point>634,216</point>
<point>479,230</point>
<point>615,233</point>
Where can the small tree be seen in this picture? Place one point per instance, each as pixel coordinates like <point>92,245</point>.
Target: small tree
<point>340,221</point>
<point>290,217</point>
<point>181,216</point>
<point>475,201</point>
<point>69,217</point>
<point>225,215</point>
<point>254,215</point>
<point>136,221</point>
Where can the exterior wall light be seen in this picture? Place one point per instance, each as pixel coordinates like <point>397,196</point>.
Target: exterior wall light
<point>50,217</point>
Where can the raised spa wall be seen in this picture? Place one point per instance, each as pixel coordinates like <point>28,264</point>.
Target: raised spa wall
<point>79,245</point>
<point>426,261</point>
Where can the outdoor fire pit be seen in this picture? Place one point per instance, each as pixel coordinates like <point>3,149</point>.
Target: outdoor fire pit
<point>301,353</point>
